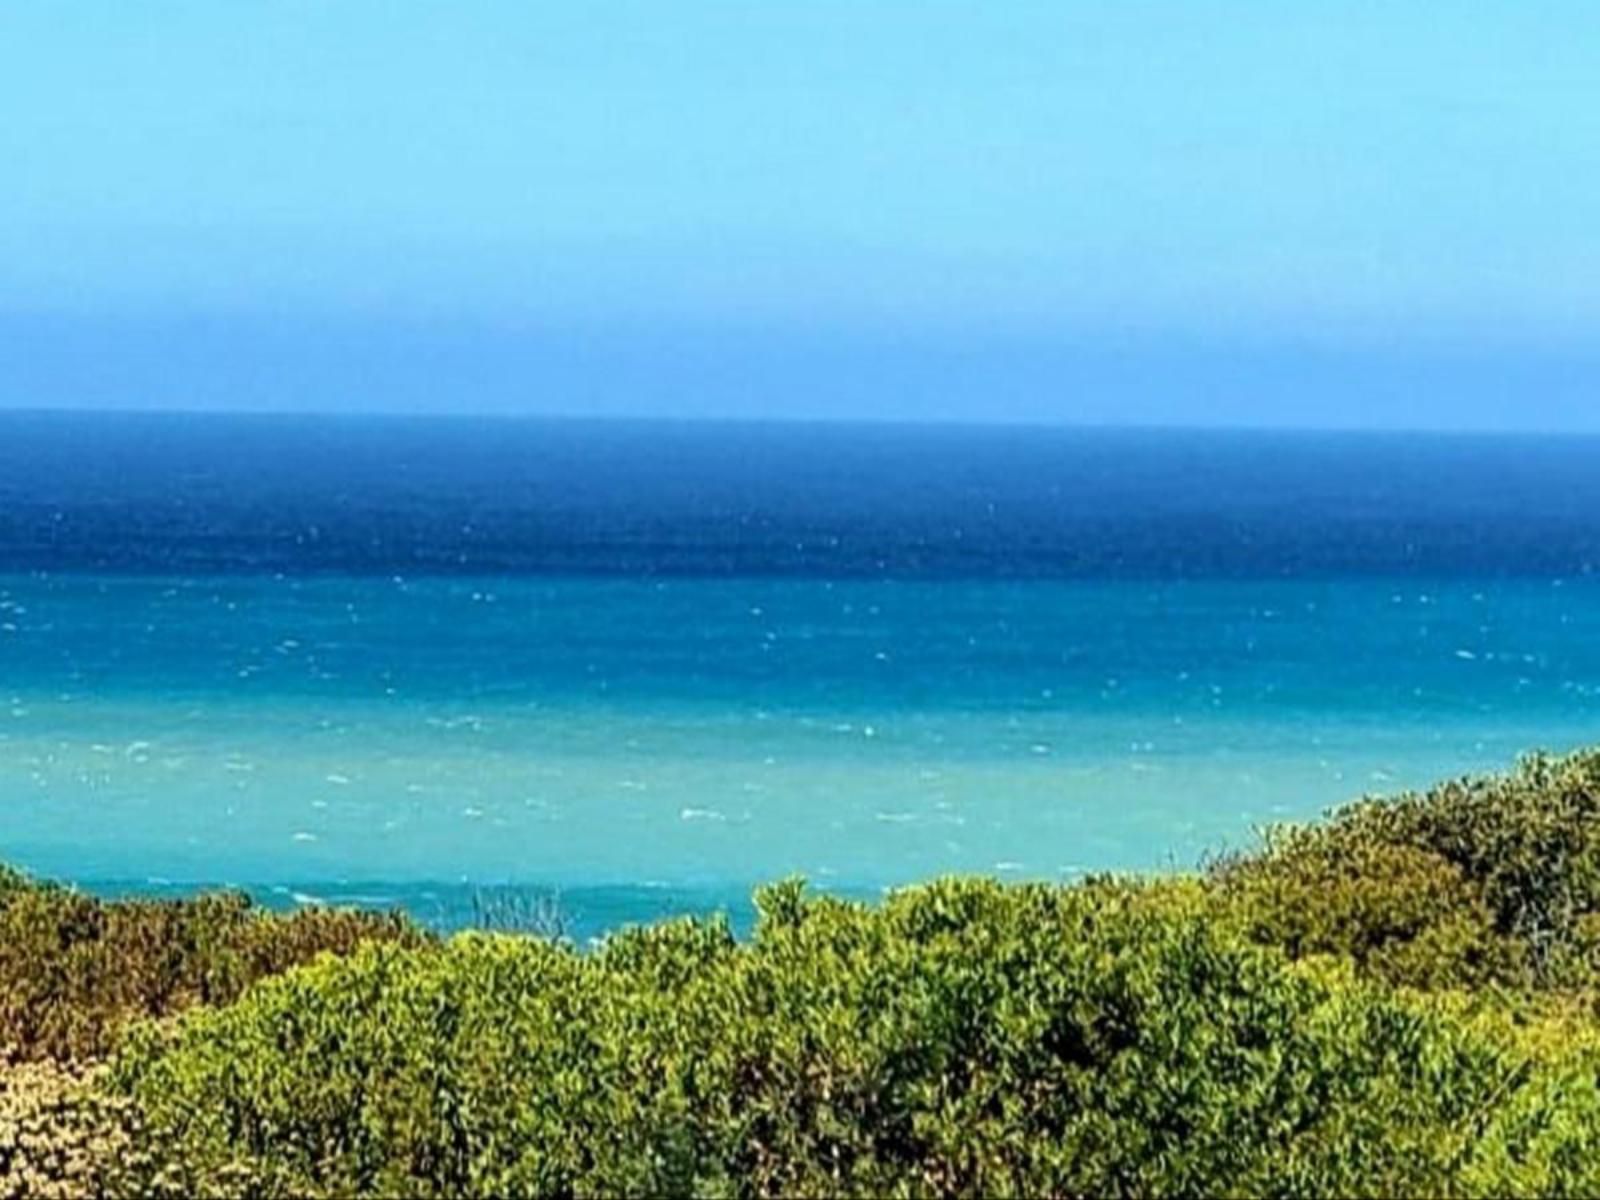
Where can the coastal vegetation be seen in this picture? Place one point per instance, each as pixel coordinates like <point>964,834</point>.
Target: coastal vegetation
<point>1401,999</point>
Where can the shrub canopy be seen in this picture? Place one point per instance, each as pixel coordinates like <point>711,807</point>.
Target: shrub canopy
<point>75,969</point>
<point>1493,879</point>
<point>962,1038</point>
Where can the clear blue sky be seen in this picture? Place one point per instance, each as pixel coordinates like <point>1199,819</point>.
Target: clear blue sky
<point>1316,213</point>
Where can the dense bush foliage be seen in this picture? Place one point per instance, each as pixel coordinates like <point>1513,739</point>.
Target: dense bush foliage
<point>73,968</point>
<point>1479,880</point>
<point>962,1038</point>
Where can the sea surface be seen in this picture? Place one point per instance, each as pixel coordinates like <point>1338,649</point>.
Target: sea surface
<point>645,666</point>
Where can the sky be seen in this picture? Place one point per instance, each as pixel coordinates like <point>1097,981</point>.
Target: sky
<point>1197,212</point>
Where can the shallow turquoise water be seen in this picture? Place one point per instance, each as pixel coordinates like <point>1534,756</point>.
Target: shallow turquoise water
<point>674,742</point>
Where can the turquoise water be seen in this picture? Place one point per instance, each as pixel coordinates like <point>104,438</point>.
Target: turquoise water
<point>652,665</point>
<point>691,737</point>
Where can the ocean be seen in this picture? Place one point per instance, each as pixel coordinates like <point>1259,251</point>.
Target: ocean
<point>646,666</point>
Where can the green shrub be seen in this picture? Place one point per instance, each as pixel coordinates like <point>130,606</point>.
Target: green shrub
<point>1401,914</point>
<point>1477,880</point>
<point>14,883</point>
<point>963,1038</point>
<point>1542,1138</point>
<point>74,969</point>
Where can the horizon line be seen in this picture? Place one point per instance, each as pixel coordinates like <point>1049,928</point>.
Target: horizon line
<point>788,419</point>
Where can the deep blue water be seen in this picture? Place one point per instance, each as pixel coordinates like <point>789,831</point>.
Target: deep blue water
<point>205,495</point>
<point>652,664</point>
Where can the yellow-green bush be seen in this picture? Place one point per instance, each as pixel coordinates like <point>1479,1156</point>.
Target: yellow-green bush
<point>1494,879</point>
<point>1400,913</point>
<point>74,968</point>
<point>963,1038</point>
